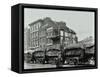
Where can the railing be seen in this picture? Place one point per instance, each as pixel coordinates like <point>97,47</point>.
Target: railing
<point>53,34</point>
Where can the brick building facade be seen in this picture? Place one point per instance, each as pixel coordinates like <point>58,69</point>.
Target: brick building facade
<point>48,34</point>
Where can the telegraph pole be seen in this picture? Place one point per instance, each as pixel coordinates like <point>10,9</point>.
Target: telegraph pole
<point>60,60</point>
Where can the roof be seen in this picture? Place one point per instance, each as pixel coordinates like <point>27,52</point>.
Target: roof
<point>56,25</point>
<point>62,25</point>
<point>47,22</point>
<point>40,20</point>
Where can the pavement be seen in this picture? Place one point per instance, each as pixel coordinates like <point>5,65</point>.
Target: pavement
<point>38,66</point>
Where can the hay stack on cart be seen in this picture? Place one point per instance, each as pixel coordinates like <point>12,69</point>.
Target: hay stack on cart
<point>73,53</point>
<point>38,56</point>
<point>82,52</point>
<point>52,55</point>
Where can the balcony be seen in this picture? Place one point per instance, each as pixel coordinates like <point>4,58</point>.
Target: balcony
<point>53,34</point>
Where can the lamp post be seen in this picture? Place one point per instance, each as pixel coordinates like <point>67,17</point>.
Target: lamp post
<point>60,60</point>
<point>62,45</point>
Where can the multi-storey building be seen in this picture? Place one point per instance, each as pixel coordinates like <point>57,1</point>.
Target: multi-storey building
<point>34,34</point>
<point>26,39</point>
<point>48,34</point>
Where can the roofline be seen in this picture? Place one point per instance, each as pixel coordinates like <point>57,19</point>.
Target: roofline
<point>40,20</point>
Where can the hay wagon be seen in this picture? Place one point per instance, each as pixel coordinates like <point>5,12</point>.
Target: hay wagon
<point>38,57</point>
<point>52,55</point>
<point>73,55</point>
<point>79,54</point>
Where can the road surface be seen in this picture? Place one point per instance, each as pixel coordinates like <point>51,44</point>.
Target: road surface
<point>37,66</point>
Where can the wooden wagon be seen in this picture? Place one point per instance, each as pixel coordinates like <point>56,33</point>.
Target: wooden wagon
<point>38,57</point>
<point>52,55</point>
<point>79,54</point>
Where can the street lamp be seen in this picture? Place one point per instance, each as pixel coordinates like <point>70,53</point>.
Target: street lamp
<point>60,60</point>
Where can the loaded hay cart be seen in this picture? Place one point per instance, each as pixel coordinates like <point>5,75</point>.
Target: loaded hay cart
<point>80,54</point>
<point>38,57</point>
<point>52,55</point>
<point>73,54</point>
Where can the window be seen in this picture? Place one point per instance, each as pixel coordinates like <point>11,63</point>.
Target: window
<point>74,41</point>
<point>42,33</point>
<point>37,27</point>
<point>36,43</point>
<point>32,28</point>
<point>39,24</point>
<point>43,40</point>
<point>49,31</point>
<point>66,34</point>
<point>66,40</point>
<point>73,36</point>
<point>40,41</point>
<point>33,43</point>
<point>69,34</point>
<point>49,42</point>
<point>32,35</point>
<point>36,34</point>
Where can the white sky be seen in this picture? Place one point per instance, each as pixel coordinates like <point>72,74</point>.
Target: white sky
<point>81,22</point>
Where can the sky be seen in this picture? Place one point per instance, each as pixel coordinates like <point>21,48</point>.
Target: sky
<point>81,22</point>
